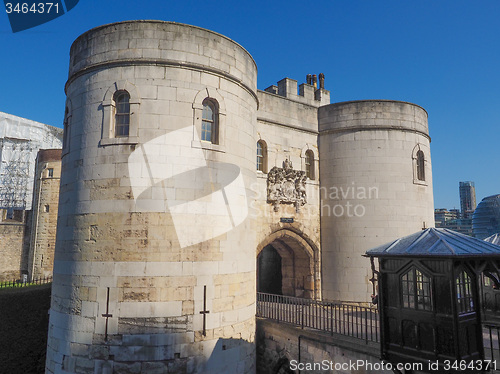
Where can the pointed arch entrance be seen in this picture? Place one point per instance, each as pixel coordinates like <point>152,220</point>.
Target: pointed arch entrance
<point>288,264</point>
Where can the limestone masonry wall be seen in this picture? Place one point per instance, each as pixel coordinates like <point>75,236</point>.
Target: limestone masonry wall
<point>45,207</point>
<point>11,237</point>
<point>289,130</point>
<point>370,191</point>
<point>155,257</point>
<point>165,216</point>
<point>283,348</point>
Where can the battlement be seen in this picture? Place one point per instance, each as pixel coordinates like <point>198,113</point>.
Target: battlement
<point>309,93</point>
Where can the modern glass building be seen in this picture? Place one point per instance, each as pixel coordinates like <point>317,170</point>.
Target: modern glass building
<point>486,217</point>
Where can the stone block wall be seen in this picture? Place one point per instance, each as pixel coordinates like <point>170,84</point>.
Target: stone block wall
<point>14,244</point>
<point>370,191</point>
<point>45,208</point>
<point>148,277</point>
<point>282,347</point>
<point>11,249</point>
<point>288,128</point>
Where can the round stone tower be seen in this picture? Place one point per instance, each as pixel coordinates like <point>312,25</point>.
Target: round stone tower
<point>376,186</point>
<point>155,259</point>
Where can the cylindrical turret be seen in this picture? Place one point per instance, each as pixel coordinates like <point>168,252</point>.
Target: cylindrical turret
<point>45,206</point>
<point>155,259</point>
<point>376,186</point>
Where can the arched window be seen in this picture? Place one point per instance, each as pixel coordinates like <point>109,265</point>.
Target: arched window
<point>209,118</point>
<point>464,293</point>
<point>120,109</point>
<point>309,162</point>
<point>420,166</point>
<point>416,290</point>
<point>261,156</point>
<point>209,122</point>
<point>122,113</point>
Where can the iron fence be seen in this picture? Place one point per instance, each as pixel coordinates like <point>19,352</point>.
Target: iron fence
<point>333,317</point>
<point>22,283</point>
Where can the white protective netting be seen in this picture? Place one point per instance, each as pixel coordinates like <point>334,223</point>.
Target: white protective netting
<point>20,141</point>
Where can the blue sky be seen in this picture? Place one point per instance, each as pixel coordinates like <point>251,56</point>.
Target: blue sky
<point>442,55</point>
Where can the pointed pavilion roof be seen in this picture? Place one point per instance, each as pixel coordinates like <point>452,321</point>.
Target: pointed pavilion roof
<point>434,242</point>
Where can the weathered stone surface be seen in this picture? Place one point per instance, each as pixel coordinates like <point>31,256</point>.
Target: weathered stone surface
<point>281,347</point>
<point>45,207</point>
<point>370,194</point>
<point>158,238</point>
<point>12,235</point>
<point>125,260</point>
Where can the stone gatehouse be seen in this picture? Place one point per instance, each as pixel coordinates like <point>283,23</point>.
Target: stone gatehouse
<point>184,190</point>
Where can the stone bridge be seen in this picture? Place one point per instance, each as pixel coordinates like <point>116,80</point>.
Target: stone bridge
<point>296,335</point>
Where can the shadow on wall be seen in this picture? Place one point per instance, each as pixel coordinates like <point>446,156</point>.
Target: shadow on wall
<point>228,356</point>
<point>273,357</point>
<point>224,356</point>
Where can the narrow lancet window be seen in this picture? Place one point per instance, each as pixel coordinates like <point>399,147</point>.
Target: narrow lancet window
<point>209,122</point>
<point>309,161</point>
<point>261,156</point>
<point>420,166</point>
<point>122,114</point>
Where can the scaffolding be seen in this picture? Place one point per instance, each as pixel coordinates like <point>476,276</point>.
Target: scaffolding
<point>20,141</point>
<point>15,173</point>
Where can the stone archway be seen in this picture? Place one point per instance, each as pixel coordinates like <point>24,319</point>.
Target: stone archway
<point>289,255</point>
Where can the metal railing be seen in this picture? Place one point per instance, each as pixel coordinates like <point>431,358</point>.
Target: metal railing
<point>333,317</point>
<point>22,283</point>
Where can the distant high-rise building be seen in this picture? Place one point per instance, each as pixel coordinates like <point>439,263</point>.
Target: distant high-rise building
<point>467,198</point>
<point>441,216</point>
<point>450,219</point>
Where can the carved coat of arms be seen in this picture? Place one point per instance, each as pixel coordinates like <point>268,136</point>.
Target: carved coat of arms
<point>286,186</point>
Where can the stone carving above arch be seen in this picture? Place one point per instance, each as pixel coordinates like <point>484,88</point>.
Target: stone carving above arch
<point>286,186</point>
